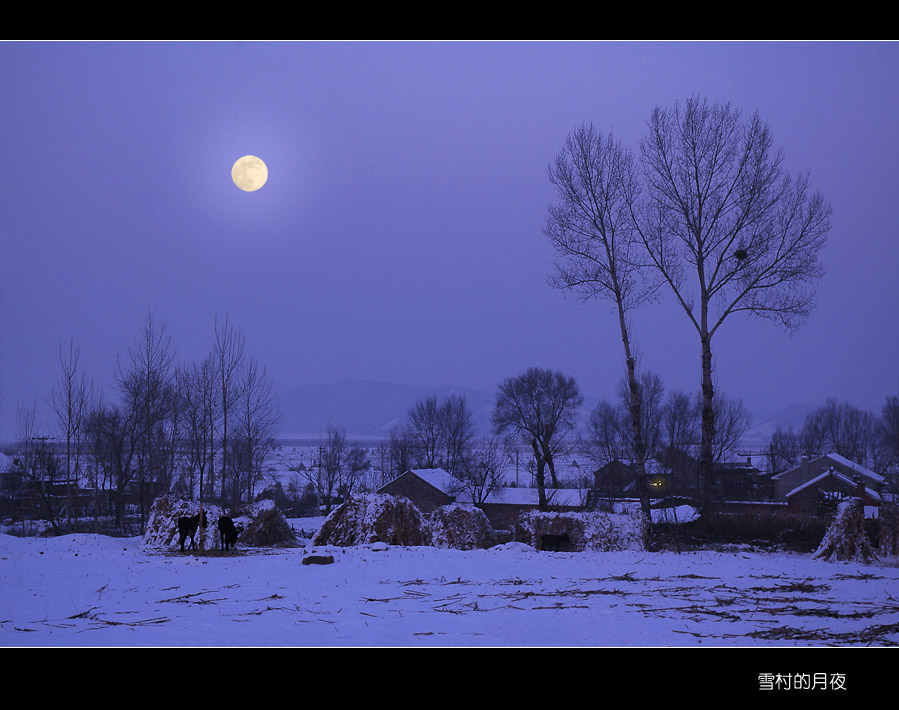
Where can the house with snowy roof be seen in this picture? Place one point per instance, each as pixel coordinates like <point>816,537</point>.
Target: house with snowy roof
<point>820,482</point>
<point>431,488</point>
<point>427,488</point>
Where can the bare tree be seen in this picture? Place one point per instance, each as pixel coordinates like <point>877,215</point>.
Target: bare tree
<point>425,428</point>
<point>339,467</point>
<point>732,421</point>
<point>436,433</point>
<point>728,229</point>
<point>228,355</point>
<point>114,442</point>
<point>609,433</point>
<point>256,420</point>
<point>398,456</point>
<point>458,427</point>
<point>838,427</point>
<point>38,465</point>
<point>198,390</point>
<point>541,408</point>
<point>605,439</point>
<point>783,450</point>
<point>484,468</point>
<point>593,234</point>
<point>145,380</point>
<point>886,437</point>
<point>70,401</point>
<point>680,422</point>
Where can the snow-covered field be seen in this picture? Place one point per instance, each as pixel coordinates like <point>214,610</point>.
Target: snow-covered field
<point>86,590</point>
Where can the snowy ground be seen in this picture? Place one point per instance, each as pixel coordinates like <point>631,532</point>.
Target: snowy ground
<point>86,590</point>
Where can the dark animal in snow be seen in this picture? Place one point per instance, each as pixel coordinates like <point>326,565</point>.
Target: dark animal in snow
<point>554,542</point>
<point>187,528</point>
<point>227,533</point>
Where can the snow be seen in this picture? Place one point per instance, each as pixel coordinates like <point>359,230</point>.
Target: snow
<point>91,590</point>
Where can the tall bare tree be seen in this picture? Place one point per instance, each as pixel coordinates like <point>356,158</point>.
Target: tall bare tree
<point>728,229</point>
<point>256,420</point>
<point>541,408</point>
<point>484,468</point>
<point>459,429</point>
<point>838,427</point>
<point>70,400</point>
<point>198,391</point>
<point>145,380</point>
<point>886,437</point>
<point>592,232</point>
<point>425,429</point>
<point>228,354</point>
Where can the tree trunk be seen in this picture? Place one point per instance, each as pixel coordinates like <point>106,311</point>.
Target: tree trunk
<point>636,418</point>
<point>706,455</point>
<point>540,475</point>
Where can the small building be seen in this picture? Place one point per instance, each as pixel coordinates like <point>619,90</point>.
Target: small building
<point>427,488</point>
<point>815,485</point>
<point>503,506</point>
<point>430,488</point>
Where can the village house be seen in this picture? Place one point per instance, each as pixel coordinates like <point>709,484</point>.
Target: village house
<point>427,488</point>
<point>819,483</point>
<point>674,473</point>
<point>431,488</point>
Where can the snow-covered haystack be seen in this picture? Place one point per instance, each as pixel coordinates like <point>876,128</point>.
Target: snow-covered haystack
<point>268,527</point>
<point>373,517</point>
<point>594,531</point>
<point>461,527</point>
<point>845,539</point>
<point>888,531</point>
<point>263,524</point>
<point>162,523</point>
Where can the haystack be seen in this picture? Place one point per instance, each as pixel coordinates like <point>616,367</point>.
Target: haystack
<point>267,527</point>
<point>845,539</point>
<point>262,524</point>
<point>888,531</point>
<point>373,517</point>
<point>162,523</point>
<point>461,527</point>
<point>594,531</point>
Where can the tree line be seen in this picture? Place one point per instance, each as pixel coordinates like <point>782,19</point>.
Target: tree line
<point>845,429</point>
<point>202,429</point>
<point>436,433</point>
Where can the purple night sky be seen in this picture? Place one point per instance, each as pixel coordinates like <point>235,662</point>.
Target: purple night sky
<point>399,236</point>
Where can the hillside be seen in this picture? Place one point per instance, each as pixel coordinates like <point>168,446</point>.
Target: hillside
<point>366,409</point>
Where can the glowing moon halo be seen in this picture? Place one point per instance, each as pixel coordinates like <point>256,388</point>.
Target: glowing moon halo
<point>249,173</point>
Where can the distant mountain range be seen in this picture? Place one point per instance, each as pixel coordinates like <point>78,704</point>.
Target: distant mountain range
<point>366,409</point>
<point>369,410</point>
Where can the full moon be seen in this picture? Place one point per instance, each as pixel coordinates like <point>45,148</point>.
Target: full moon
<point>249,173</point>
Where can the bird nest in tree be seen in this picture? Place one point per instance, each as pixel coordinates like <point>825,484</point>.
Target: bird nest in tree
<point>373,517</point>
<point>594,531</point>
<point>462,527</point>
<point>846,539</point>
